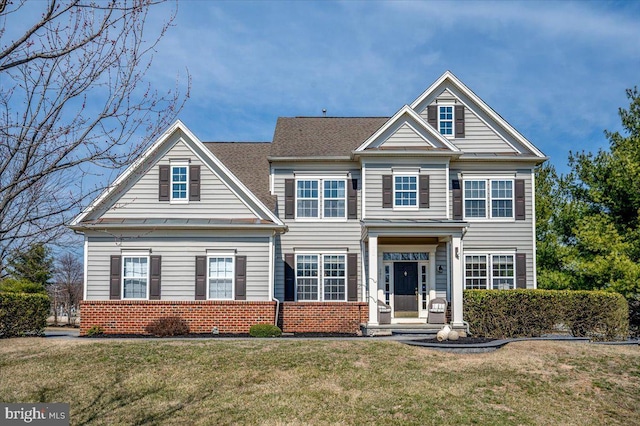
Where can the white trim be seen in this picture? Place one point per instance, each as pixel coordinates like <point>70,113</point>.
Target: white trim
<point>221,252</point>
<point>172,165</point>
<point>447,192</point>
<point>457,84</point>
<point>489,254</point>
<point>134,254</point>
<point>393,183</point>
<point>272,293</point>
<point>452,105</point>
<point>533,227</point>
<point>233,274</point>
<point>320,254</point>
<point>363,193</point>
<point>86,268</point>
<point>321,181</point>
<point>419,120</point>
<point>272,180</point>
<point>488,213</point>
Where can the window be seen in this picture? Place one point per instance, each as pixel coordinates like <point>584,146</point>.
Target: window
<point>445,120</point>
<point>483,271</point>
<point>135,277</point>
<point>321,277</point>
<point>321,198</point>
<point>499,197</point>
<point>405,191</point>
<point>179,182</point>
<point>220,277</point>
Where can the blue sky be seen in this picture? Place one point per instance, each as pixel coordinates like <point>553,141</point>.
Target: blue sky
<point>557,71</point>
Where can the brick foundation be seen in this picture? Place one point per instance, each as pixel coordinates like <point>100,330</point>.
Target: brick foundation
<point>131,317</point>
<point>323,317</point>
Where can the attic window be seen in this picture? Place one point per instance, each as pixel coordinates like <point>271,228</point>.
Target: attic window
<point>179,179</point>
<point>445,119</point>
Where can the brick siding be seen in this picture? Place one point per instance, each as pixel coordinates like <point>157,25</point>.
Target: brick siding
<point>131,317</point>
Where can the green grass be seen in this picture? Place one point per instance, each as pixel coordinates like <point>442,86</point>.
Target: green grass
<point>288,381</point>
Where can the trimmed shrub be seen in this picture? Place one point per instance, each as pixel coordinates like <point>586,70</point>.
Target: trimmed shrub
<point>598,315</point>
<point>95,330</point>
<point>167,326</point>
<point>23,314</point>
<point>634,316</point>
<point>265,330</point>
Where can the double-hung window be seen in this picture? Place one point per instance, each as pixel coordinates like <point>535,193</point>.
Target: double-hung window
<point>179,182</point>
<point>321,277</point>
<point>135,277</point>
<point>220,277</point>
<point>481,193</point>
<point>445,120</point>
<point>490,271</point>
<point>405,191</point>
<point>321,198</point>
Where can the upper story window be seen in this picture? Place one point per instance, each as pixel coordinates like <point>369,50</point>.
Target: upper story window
<point>477,197</point>
<point>321,198</point>
<point>135,277</point>
<point>405,191</point>
<point>445,119</point>
<point>179,179</point>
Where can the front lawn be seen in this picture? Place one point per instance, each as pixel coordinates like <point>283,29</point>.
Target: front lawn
<point>359,381</point>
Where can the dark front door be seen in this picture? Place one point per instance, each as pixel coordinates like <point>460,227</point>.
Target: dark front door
<point>405,285</point>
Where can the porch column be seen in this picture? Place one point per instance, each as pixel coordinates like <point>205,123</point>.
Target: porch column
<point>372,285</point>
<point>457,282</point>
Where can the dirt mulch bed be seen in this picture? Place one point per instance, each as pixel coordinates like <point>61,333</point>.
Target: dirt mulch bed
<point>210,336</point>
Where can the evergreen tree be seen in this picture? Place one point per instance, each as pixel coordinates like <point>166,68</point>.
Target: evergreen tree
<point>34,264</point>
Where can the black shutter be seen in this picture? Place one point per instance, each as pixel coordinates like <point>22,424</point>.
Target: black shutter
<point>521,270</point>
<point>424,191</point>
<point>201,277</point>
<point>289,277</point>
<point>154,275</point>
<point>352,279</point>
<point>289,198</point>
<point>387,191</point>
<point>432,116</point>
<point>457,199</point>
<point>352,199</point>
<point>519,195</point>
<point>241,278</point>
<point>163,188</point>
<point>194,183</point>
<point>459,115</point>
<point>115,277</point>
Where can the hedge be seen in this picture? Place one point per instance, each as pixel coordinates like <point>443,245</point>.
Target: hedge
<point>23,314</point>
<point>598,315</point>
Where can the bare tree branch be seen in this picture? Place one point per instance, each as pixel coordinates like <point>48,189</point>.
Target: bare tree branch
<point>74,103</point>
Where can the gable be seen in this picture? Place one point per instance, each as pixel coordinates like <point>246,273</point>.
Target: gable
<point>217,200</point>
<point>485,132</point>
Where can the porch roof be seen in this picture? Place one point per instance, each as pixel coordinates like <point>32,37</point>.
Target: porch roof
<point>413,227</point>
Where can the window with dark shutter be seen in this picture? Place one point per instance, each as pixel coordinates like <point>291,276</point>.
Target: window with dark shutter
<point>352,281</point>
<point>352,199</point>
<point>424,191</point>
<point>521,270</point>
<point>387,191</point>
<point>456,193</point>
<point>289,277</point>
<point>289,198</point>
<point>459,115</point>
<point>154,275</point>
<point>241,278</point>
<point>201,277</point>
<point>432,116</point>
<point>520,199</point>
<point>164,181</point>
<point>115,277</point>
<point>194,183</point>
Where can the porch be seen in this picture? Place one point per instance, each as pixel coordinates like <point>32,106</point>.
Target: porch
<point>413,274</point>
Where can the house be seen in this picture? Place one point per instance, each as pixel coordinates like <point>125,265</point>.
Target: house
<point>337,223</point>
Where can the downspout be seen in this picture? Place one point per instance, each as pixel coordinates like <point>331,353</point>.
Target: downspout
<point>272,278</point>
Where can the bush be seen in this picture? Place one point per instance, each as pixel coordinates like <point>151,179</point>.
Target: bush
<point>634,316</point>
<point>168,326</point>
<point>531,313</point>
<point>265,330</point>
<point>23,314</point>
<point>13,285</point>
<point>95,330</point>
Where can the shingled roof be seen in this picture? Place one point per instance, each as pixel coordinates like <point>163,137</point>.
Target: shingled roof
<point>248,162</point>
<point>322,136</point>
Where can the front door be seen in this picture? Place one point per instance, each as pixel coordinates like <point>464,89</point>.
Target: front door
<point>405,288</point>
